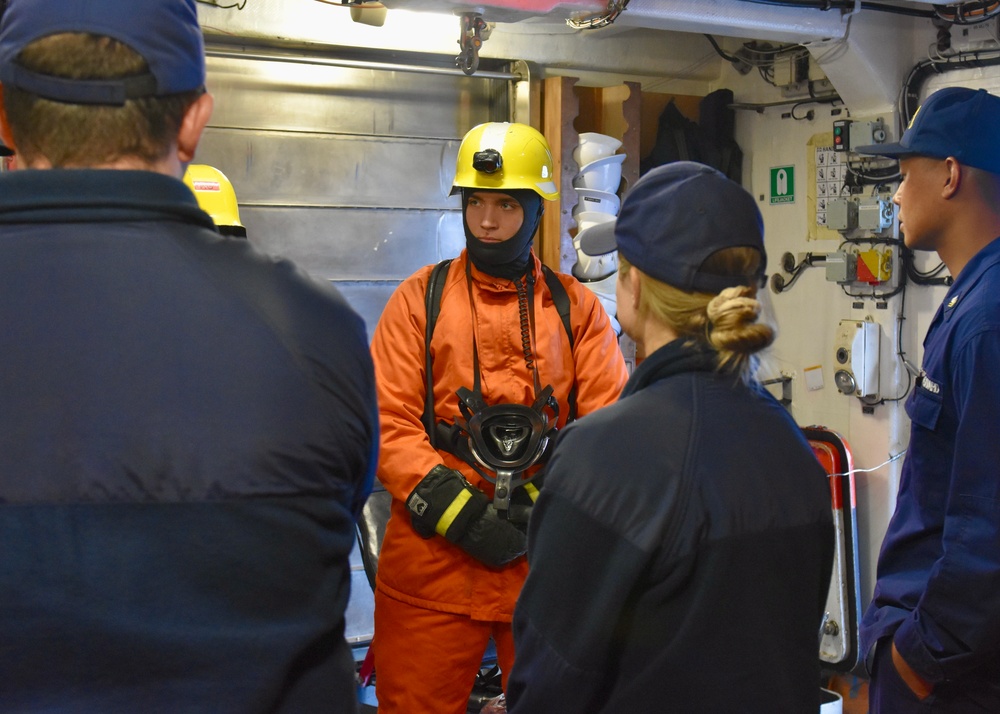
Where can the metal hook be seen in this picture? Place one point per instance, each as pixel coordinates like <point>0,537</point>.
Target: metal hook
<point>470,39</point>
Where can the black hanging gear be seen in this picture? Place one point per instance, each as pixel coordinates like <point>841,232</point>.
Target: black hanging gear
<point>709,141</point>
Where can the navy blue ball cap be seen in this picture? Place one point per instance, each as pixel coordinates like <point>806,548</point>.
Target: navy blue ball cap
<point>955,121</point>
<point>165,33</point>
<point>674,218</point>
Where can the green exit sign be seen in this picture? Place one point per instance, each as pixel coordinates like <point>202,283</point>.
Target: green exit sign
<point>782,184</point>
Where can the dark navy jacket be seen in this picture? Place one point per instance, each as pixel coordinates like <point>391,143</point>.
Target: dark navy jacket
<point>938,587</point>
<point>187,432</point>
<point>680,554</point>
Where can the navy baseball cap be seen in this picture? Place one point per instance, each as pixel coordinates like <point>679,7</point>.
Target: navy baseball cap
<point>955,121</point>
<point>164,32</point>
<point>674,218</point>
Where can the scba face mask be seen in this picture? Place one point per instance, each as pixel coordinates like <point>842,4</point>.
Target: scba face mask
<point>506,439</point>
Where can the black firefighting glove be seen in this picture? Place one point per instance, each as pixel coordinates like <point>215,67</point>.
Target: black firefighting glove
<point>446,504</point>
<point>523,500</point>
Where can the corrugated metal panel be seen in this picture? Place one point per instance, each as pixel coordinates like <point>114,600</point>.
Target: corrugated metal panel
<point>355,244</point>
<point>346,171</point>
<point>282,168</point>
<point>301,96</point>
<point>368,298</point>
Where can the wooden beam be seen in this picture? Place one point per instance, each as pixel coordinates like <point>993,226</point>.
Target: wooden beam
<point>560,107</point>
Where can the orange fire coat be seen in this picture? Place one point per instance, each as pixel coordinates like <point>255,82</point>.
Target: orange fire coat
<point>434,573</point>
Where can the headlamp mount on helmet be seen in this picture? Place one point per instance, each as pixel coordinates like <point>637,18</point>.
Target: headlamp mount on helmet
<point>488,161</point>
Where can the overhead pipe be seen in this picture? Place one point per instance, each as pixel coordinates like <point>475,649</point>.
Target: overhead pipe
<point>303,57</point>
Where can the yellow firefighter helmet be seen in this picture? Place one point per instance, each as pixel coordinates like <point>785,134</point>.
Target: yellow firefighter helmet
<point>502,155</point>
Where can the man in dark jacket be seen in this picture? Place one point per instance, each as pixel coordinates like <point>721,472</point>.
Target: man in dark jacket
<point>188,428</point>
<point>932,632</point>
<point>681,549</point>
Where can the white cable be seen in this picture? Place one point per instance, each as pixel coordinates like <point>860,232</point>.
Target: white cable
<point>873,468</point>
<point>685,73</point>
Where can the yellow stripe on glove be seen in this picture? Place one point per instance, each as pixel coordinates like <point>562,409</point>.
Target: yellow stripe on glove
<point>451,512</point>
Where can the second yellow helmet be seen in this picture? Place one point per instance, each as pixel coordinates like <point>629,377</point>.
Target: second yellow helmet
<point>216,197</point>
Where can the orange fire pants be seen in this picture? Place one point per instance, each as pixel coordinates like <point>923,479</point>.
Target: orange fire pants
<point>426,661</point>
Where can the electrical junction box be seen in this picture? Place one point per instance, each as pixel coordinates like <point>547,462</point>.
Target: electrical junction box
<point>856,372</point>
<point>875,214</point>
<point>841,267</point>
<point>980,36</point>
<point>790,68</point>
<point>864,133</point>
<point>841,214</point>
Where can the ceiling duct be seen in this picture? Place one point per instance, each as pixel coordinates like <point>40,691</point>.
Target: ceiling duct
<point>736,18</point>
<point>865,69</point>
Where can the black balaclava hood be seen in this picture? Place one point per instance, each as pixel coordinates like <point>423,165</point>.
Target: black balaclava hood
<point>508,259</point>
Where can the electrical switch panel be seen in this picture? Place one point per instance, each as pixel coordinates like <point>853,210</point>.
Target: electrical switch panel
<point>858,268</point>
<point>849,134</point>
<point>841,135</point>
<point>874,266</point>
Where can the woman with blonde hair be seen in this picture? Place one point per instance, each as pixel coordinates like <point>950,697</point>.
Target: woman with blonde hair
<point>680,552</point>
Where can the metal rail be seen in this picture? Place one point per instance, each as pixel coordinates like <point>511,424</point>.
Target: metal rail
<point>306,58</point>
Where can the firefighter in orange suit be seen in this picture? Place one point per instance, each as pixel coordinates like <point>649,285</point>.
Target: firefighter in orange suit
<point>504,375</point>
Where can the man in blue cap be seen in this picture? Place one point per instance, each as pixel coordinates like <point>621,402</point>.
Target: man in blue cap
<point>188,428</point>
<point>932,631</point>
